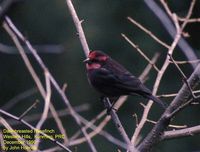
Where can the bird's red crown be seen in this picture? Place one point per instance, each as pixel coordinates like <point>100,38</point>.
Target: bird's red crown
<point>98,55</point>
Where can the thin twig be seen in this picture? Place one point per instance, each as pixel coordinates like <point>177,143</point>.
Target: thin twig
<point>186,62</point>
<point>183,75</point>
<point>29,109</point>
<point>140,51</point>
<point>105,134</point>
<point>167,9</point>
<point>58,121</point>
<point>91,134</point>
<point>192,20</point>
<point>170,125</point>
<point>145,112</point>
<point>79,28</point>
<point>147,69</point>
<point>181,133</point>
<point>174,94</point>
<point>178,109</point>
<point>99,116</point>
<point>136,119</point>
<point>117,123</point>
<point>148,32</point>
<point>46,108</point>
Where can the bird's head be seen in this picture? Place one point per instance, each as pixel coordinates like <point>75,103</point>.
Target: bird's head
<point>95,60</point>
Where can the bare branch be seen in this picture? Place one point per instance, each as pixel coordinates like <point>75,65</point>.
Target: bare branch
<point>186,62</point>
<point>79,28</point>
<point>105,134</point>
<point>147,69</point>
<point>43,66</point>
<point>181,133</point>
<point>174,94</point>
<point>170,125</point>
<point>29,109</point>
<point>192,20</point>
<point>58,121</point>
<point>159,77</point>
<point>183,75</point>
<point>148,32</point>
<point>145,112</point>
<point>136,119</point>
<point>140,51</point>
<point>117,123</point>
<point>156,134</point>
<point>46,107</point>
<point>165,20</point>
<point>92,134</point>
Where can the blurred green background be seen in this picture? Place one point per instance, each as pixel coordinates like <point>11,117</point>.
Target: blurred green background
<point>49,22</point>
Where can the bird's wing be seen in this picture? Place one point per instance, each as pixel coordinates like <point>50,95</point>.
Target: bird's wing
<point>121,74</point>
<point>132,84</point>
<point>124,81</point>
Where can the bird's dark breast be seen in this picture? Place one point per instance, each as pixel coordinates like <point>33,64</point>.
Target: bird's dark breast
<point>105,84</point>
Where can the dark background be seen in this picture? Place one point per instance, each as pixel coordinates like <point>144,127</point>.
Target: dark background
<point>49,22</point>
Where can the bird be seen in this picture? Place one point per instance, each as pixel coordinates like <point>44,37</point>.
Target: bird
<point>112,80</point>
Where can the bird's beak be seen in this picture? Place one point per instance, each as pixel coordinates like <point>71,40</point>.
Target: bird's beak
<point>86,60</point>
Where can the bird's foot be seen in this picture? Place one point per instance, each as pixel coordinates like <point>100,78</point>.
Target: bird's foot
<point>108,106</point>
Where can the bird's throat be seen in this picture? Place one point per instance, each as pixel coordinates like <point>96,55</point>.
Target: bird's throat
<point>93,66</point>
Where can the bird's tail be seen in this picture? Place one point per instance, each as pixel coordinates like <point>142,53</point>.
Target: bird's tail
<point>157,100</point>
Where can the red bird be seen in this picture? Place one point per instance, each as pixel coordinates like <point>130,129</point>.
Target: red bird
<point>112,80</point>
